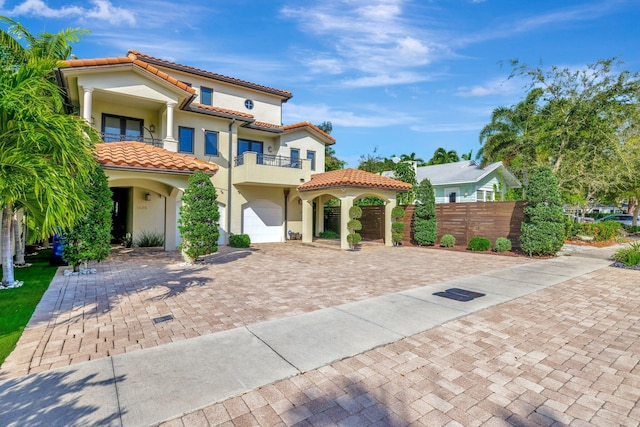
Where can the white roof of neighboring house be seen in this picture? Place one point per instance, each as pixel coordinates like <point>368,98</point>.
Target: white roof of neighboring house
<point>464,172</point>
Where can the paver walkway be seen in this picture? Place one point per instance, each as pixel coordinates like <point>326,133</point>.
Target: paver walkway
<point>565,355</point>
<point>89,317</point>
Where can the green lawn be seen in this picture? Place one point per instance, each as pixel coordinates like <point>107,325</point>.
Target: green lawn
<point>17,305</point>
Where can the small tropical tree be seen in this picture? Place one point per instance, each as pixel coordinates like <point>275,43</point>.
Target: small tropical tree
<point>404,171</point>
<point>442,156</point>
<point>542,231</point>
<point>199,218</point>
<point>90,237</point>
<point>424,216</point>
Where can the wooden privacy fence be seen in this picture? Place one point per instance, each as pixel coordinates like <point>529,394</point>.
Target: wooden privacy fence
<point>466,220</point>
<point>372,221</point>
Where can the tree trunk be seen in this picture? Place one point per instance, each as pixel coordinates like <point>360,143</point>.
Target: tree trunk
<point>19,239</point>
<point>7,255</point>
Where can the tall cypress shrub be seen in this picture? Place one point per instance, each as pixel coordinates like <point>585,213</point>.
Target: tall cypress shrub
<point>90,237</point>
<point>424,217</point>
<point>542,231</point>
<point>199,218</point>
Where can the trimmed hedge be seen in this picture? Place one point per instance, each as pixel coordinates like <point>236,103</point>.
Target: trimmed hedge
<point>502,244</point>
<point>479,244</point>
<point>239,241</point>
<point>447,241</point>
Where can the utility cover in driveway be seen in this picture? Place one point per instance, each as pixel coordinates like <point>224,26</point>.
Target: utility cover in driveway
<point>458,294</point>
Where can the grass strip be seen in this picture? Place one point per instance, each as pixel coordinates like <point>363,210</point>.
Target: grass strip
<point>17,305</point>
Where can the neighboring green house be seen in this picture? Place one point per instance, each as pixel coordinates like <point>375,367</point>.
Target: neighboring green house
<point>467,181</point>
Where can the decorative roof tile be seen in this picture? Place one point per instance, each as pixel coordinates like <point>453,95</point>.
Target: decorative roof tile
<point>76,63</point>
<point>204,73</point>
<point>145,157</point>
<point>311,126</point>
<point>352,178</point>
<point>219,110</point>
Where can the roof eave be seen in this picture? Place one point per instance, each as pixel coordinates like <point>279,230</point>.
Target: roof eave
<point>156,170</point>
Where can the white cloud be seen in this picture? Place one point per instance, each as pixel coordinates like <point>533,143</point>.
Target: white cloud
<point>498,86</point>
<point>367,115</point>
<point>101,10</point>
<point>372,43</point>
<point>448,127</point>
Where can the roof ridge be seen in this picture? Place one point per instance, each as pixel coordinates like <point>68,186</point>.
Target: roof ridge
<point>307,123</point>
<point>205,73</point>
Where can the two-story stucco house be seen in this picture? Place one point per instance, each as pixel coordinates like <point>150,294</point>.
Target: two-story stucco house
<point>161,121</point>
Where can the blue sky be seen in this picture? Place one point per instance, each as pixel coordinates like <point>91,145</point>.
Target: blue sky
<point>400,75</point>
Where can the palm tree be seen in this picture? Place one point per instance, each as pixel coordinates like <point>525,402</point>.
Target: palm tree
<point>45,154</point>
<point>442,156</point>
<point>412,158</point>
<point>510,134</point>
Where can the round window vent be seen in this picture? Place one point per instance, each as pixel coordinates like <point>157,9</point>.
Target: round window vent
<point>248,104</point>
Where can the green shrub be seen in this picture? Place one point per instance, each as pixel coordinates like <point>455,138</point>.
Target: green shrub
<point>397,226</point>
<point>150,239</point>
<point>479,244</point>
<point>629,255</point>
<point>396,238</point>
<point>353,239</point>
<point>424,217</point>
<point>570,227</point>
<point>239,241</point>
<point>543,228</point>
<point>354,225</point>
<point>355,212</point>
<point>502,244</point>
<point>329,234</point>
<point>600,231</point>
<point>397,212</point>
<point>632,228</point>
<point>199,218</point>
<point>447,241</point>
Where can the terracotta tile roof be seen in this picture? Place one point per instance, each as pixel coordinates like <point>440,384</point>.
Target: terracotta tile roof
<point>311,126</point>
<point>131,59</point>
<point>222,111</point>
<point>266,126</point>
<point>204,73</point>
<point>352,178</point>
<point>145,157</point>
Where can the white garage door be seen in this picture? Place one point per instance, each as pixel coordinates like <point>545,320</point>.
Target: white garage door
<point>262,221</point>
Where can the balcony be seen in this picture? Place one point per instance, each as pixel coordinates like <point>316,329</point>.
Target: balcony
<point>268,169</point>
<point>114,137</point>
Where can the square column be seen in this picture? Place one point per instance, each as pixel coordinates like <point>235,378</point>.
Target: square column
<point>346,203</point>
<point>307,221</point>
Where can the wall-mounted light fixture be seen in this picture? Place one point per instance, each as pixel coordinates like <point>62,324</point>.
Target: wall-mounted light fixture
<point>147,197</point>
<point>152,128</point>
<point>269,148</point>
<point>466,194</point>
<point>93,121</point>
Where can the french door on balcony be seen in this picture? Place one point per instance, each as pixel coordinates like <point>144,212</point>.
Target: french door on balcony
<point>119,128</point>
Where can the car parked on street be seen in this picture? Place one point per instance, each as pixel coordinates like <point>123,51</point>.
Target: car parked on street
<point>625,219</point>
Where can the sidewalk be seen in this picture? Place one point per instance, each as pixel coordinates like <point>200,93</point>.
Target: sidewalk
<point>150,386</point>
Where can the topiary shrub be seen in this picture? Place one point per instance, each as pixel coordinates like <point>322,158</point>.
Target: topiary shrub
<point>424,216</point>
<point>502,244</point>
<point>543,228</point>
<point>199,216</point>
<point>447,241</point>
<point>397,227</point>
<point>479,244</point>
<point>239,241</point>
<point>354,225</point>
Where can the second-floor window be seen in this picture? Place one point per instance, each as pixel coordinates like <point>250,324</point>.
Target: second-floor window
<point>248,145</point>
<point>311,155</point>
<point>185,139</point>
<point>206,96</point>
<point>295,157</point>
<point>211,143</point>
<point>119,128</point>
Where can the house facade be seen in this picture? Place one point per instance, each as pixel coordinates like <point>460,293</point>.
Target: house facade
<point>161,121</point>
<point>467,181</point>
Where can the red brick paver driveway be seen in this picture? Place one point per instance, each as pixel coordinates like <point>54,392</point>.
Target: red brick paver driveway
<point>565,355</point>
<point>86,317</point>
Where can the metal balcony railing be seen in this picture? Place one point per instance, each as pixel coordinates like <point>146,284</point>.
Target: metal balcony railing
<point>115,137</point>
<point>272,160</point>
